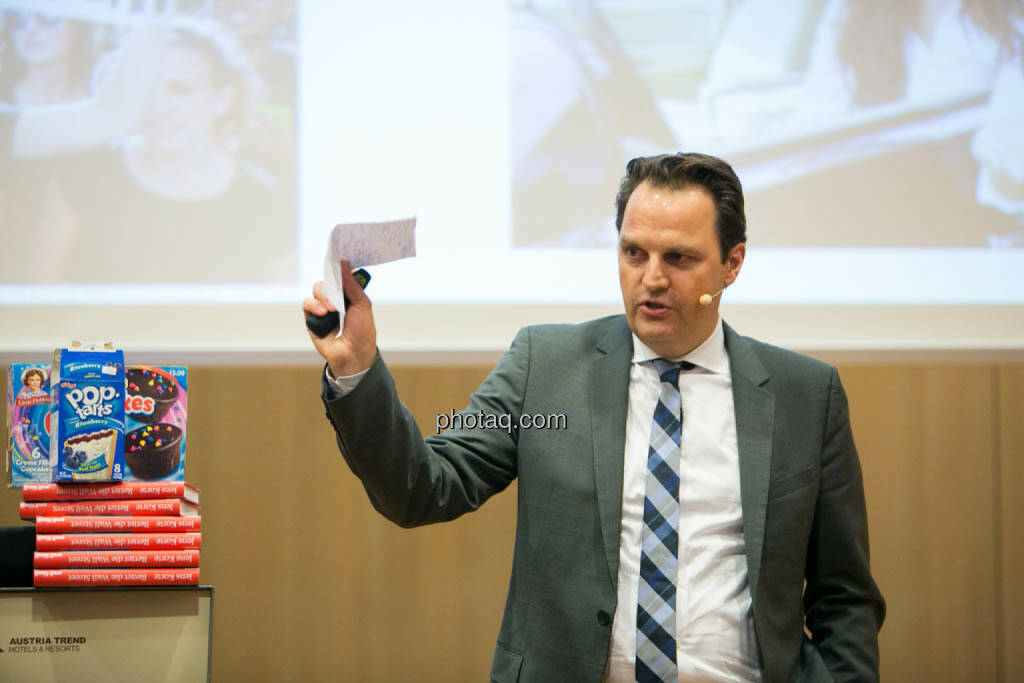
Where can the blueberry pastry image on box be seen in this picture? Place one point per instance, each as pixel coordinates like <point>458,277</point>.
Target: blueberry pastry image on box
<point>90,456</point>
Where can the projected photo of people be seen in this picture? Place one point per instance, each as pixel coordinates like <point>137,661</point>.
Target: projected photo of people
<point>265,31</point>
<point>854,123</point>
<point>193,182</point>
<point>46,59</point>
<point>46,63</point>
<point>578,112</point>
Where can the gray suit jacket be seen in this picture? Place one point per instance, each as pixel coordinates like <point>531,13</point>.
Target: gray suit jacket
<point>803,502</point>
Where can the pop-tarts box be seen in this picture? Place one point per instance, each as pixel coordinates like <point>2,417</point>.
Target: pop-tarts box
<point>156,411</point>
<point>87,392</point>
<point>28,405</point>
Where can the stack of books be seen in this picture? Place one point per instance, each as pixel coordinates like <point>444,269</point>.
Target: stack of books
<point>130,533</point>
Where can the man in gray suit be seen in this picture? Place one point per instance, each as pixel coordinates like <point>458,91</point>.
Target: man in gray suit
<point>698,515</point>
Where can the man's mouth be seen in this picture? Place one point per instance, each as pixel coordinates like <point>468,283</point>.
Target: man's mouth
<point>653,308</point>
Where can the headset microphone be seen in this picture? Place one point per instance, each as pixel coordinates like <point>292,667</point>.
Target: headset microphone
<point>706,299</point>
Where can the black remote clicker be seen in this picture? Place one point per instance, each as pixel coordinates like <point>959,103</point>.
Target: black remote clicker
<point>321,325</point>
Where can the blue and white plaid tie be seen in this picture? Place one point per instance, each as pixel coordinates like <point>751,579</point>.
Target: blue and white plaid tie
<point>659,558</point>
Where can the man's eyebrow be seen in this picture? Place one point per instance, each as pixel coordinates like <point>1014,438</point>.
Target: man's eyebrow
<point>684,250</point>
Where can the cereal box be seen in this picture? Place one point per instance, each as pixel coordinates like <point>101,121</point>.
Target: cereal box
<point>28,404</point>
<point>156,406</point>
<point>87,420</point>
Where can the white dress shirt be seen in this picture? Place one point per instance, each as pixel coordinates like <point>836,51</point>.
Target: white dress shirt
<point>714,621</point>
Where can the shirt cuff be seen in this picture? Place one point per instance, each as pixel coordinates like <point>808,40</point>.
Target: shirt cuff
<point>341,386</point>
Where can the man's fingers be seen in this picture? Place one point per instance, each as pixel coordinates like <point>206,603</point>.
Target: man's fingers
<point>318,294</point>
<point>313,306</point>
<point>353,290</point>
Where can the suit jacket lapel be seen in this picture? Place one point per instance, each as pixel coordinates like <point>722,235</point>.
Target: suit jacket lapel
<point>755,417</point>
<point>609,387</point>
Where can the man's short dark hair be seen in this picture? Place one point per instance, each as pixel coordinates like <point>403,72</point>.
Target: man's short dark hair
<point>678,171</point>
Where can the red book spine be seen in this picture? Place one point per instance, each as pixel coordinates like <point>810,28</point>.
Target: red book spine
<point>118,558</point>
<point>106,507</point>
<point>114,524</point>
<point>115,577</point>
<point>45,542</point>
<point>120,491</point>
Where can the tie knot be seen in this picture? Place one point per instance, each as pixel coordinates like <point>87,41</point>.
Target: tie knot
<point>669,370</point>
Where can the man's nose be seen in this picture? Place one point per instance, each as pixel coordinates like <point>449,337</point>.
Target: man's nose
<point>655,278</point>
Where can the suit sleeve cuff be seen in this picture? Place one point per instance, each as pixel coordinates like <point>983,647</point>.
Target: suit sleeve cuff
<point>337,387</point>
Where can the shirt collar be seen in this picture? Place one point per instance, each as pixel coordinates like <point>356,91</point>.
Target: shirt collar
<point>710,355</point>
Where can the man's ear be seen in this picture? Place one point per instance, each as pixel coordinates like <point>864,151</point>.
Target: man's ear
<point>734,261</point>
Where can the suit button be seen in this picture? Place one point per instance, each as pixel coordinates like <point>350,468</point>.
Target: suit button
<point>603,618</point>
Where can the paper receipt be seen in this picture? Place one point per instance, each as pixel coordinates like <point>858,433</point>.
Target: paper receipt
<point>365,244</point>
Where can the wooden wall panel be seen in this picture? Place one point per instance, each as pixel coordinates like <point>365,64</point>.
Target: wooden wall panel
<point>313,585</point>
<point>926,444</point>
<point>341,593</point>
<point>1011,521</point>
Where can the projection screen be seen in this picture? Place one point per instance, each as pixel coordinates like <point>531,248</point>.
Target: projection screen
<point>174,168</point>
